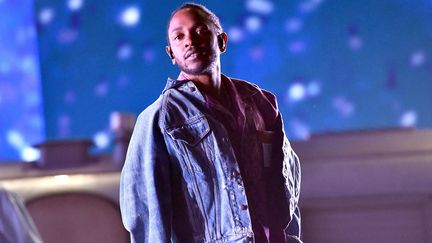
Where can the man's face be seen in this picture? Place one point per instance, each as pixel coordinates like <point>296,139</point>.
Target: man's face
<point>193,42</point>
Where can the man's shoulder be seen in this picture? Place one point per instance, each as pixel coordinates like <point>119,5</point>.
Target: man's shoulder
<point>243,84</point>
<point>172,108</point>
<point>152,111</point>
<point>247,87</point>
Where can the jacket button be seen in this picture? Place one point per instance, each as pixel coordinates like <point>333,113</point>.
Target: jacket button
<point>243,207</point>
<point>235,173</point>
<point>192,89</point>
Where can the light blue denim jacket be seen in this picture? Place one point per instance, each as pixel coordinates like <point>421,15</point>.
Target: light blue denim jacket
<point>177,183</point>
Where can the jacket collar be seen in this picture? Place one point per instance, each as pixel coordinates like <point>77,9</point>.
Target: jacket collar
<point>173,83</point>
<point>244,88</point>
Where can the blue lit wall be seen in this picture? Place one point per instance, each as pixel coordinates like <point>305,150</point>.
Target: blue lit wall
<point>21,114</point>
<point>335,65</point>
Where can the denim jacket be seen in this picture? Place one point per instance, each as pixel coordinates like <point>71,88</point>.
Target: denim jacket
<point>181,181</point>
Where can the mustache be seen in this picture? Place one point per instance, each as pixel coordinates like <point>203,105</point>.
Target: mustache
<point>191,51</point>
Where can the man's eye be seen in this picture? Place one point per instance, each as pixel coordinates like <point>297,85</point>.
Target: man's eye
<point>201,31</point>
<point>178,37</point>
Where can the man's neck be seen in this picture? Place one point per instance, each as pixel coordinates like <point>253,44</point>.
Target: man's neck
<point>210,84</point>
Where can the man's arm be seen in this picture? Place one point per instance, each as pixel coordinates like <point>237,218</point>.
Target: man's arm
<point>292,232</point>
<point>292,173</point>
<point>145,188</point>
<point>291,176</point>
<point>16,224</point>
<point>289,179</point>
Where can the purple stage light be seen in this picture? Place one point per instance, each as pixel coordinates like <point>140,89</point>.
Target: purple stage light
<point>130,16</point>
<point>408,119</point>
<point>418,58</point>
<point>299,129</point>
<point>355,42</point>
<point>101,89</point>
<point>260,6</point>
<point>293,25</point>
<point>63,125</point>
<point>309,6</point>
<point>253,23</point>
<point>344,106</point>
<point>67,35</point>
<point>235,34</point>
<point>313,88</point>
<point>102,139</point>
<point>46,15</point>
<point>296,47</point>
<point>74,5</point>
<point>69,97</point>
<point>296,92</point>
<point>125,51</point>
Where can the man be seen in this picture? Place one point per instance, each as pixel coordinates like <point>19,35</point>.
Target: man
<point>209,160</point>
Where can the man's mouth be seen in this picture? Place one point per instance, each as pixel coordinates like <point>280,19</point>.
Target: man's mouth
<point>192,54</point>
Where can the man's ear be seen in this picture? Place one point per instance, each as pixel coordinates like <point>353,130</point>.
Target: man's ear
<point>170,54</point>
<point>222,41</point>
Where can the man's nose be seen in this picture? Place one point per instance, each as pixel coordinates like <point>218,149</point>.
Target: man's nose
<point>190,39</point>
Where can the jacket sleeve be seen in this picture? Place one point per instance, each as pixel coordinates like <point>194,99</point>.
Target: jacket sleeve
<point>145,191</point>
<point>292,232</point>
<point>16,224</point>
<point>292,174</point>
<point>288,182</point>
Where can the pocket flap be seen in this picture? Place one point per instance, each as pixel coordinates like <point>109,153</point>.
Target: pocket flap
<point>192,131</point>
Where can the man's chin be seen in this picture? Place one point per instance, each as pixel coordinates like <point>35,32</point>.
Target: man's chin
<point>198,70</point>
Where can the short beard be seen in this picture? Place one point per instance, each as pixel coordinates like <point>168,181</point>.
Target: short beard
<point>206,68</point>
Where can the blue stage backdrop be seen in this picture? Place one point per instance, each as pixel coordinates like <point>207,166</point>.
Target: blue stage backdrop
<point>21,112</point>
<point>335,65</point>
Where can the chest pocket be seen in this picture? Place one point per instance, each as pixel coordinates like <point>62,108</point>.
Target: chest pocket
<point>191,132</point>
<point>190,137</point>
